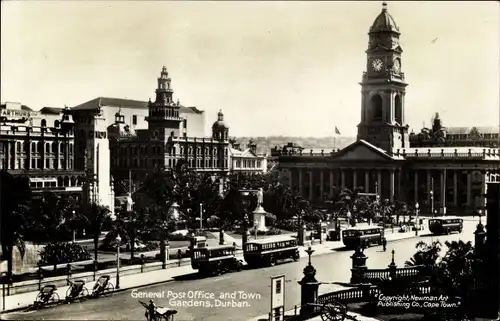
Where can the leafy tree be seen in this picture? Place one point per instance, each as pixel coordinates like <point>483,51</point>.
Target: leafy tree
<point>453,273</point>
<point>14,215</point>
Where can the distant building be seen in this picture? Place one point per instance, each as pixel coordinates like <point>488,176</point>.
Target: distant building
<point>247,160</point>
<point>40,147</point>
<point>445,170</point>
<point>440,136</point>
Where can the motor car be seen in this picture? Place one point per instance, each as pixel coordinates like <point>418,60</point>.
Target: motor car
<point>180,232</point>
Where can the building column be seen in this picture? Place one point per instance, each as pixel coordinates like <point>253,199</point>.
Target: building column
<point>321,183</point>
<point>391,182</point>
<point>469,190</point>
<point>443,192</point>
<point>311,186</point>
<point>379,184</point>
<point>354,179</point>
<point>367,181</point>
<point>429,189</point>
<point>331,182</point>
<point>455,187</point>
<point>301,190</point>
<point>7,154</point>
<point>415,189</point>
<point>483,191</point>
<point>342,178</point>
<point>290,178</point>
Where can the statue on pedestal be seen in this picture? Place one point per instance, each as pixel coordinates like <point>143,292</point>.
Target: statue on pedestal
<point>130,202</point>
<point>259,214</point>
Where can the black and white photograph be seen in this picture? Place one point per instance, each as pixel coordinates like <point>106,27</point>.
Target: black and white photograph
<point>250,160</point>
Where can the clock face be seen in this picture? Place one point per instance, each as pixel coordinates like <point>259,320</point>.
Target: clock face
<point>396,66</point>
<point>377,64</point>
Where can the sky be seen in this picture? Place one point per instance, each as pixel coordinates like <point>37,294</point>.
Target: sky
<point>274,68</point>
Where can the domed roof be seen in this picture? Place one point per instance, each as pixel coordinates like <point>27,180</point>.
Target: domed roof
<point>220,124</point>
<point>384,22</point>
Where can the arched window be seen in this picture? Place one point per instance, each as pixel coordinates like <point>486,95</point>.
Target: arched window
<point>54,147</point>
<point>39,147</point>
<point>47,148</point>
<point>66,181</point>
<point>398,106</point>
<point>44,123</point>
<point>59,181</point>
<point>33,147</point>
<point>376,107</point>
<point>56,123</point>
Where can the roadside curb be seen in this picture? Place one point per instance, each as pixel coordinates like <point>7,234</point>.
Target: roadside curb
<point>172,279</point>
<point>115,291</point>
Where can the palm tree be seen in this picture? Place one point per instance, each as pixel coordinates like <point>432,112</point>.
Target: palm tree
<point>97,218</point>
<point>427,254</point>
<point>53,214</point>
<point>348,200</point>
<point>14,215</point>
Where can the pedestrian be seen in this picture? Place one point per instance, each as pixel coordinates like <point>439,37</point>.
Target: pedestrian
<point>384,243</point>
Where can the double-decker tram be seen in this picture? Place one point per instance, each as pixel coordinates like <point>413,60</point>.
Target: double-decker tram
<point>215,260</point>
<point>366,236</point>
<point>268,251</point>
<point>446,225</point>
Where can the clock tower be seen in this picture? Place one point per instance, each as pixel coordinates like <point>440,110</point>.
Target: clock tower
<point>383,89</point>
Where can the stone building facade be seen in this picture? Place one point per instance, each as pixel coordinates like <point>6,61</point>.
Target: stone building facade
<point>438,177</point>
<point>166,142</point>
<point>39,145</point>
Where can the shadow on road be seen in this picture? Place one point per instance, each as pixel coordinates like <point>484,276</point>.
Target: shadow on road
<point>342,249</point>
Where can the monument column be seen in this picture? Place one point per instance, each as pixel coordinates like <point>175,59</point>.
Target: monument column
<point>415,190</point>
<point>469,190</point>
<point>367,181</point>
<point>331,182</point>
<point>300,182</point>
<point>455,187</point>
<point>321,183</point>
<point>354,179</point>
<point>342,178</point>
<point>311,187</point>
<point>391,182</point>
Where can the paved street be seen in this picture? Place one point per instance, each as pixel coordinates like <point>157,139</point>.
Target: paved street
<point>330,267</point>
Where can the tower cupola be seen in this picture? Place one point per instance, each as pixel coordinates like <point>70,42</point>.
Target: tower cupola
<point>219,128</point>
<point>384,22</point>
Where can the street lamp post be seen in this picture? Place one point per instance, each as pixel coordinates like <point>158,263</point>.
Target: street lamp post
<point>201,216</point>
<point>432,196</point>
<point>74,231</point>
<point>118,244</point>
<point>480,212</point>
<point>417,224</point>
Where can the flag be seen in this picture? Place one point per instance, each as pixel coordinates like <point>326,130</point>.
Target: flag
<point>337,131</point>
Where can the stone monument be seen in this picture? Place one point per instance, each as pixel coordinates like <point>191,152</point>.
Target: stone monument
<point>259,214</point>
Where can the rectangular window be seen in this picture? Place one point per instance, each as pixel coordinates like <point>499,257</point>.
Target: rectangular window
<point>134,120</point>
